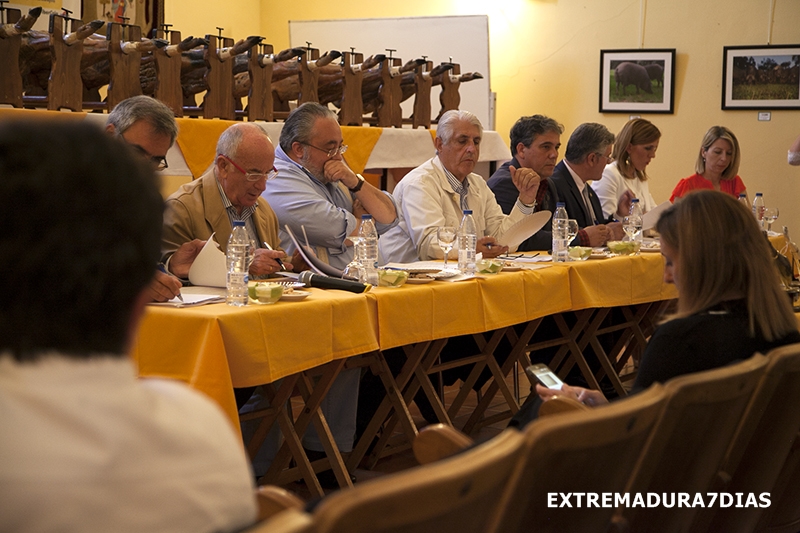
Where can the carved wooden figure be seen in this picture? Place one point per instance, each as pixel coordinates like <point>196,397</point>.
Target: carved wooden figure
<point>124,63</point>
<point>261,61</point>
<point>168,71</point>
<point>351,110</point>
<point>219,101</point>
<point>449,97</point>
<point>64,87</point>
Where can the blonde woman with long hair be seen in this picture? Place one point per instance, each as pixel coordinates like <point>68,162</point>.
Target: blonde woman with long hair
<point>634,148</point>
<point>730,300</point>
<point>717,165</point>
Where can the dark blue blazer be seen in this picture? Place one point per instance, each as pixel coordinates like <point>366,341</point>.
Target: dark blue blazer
<point>567,192</point>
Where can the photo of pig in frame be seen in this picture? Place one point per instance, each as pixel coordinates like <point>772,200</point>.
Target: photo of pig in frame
<point>637,81</point>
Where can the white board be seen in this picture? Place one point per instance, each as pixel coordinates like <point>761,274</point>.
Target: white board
<point>465,39</point>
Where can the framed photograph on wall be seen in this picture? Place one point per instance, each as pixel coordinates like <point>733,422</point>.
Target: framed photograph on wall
<point>637,81</point>
<point>761,77</point>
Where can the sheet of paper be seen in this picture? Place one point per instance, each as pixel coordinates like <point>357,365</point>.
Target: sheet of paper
<point>523,229</point>
<point>651,217</point>
<point>194,296</point>
<point>209,267</point>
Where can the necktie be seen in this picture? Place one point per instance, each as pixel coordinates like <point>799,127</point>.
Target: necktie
<point>587,203</point>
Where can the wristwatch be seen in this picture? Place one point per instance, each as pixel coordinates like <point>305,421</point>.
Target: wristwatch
<point>358,185</point>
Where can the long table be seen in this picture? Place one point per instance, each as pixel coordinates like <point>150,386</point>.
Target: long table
<point>215,348</point>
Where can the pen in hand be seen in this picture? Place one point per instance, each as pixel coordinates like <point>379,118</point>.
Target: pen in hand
<point>163,268</point>
<point>268,247</point>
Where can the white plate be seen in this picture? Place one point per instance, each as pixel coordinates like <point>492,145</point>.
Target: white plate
<point>442,274</point>
<point>419,281</point>
<point>516,234</point>
<point>295,296</point>
<point>600,255</point>
<point>512,268</point>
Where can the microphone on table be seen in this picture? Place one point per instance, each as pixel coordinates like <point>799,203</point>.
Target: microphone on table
<point>326,282</point>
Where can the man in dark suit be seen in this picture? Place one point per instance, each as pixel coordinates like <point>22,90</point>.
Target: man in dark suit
<point>588,152</point>
<point>535,141</point>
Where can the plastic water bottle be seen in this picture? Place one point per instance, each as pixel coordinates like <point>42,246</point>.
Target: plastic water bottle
<point>467,243</point>
<point>637,214</point>
<point>743,199</point>
<point>560,234</point>
<point>758,209</point>
<point>368,248</point>
<point>239,249</point>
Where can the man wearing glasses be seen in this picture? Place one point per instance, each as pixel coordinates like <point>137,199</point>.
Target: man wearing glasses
<point>588,152</point>
<point>316,189</point>
<point>229,191</point>
<point>149,127</point>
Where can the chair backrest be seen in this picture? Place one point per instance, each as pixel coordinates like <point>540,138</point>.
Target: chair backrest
<point>686,449</point>
<point>757,454</point>
<point>783,515</point>
<point>581,452</point>
<point>291,520</point>
<point>457,494</point>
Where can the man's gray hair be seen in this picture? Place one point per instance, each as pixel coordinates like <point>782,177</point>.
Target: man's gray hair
<point>231,138</point>
<point>300,124</point>
<point>444,130</point>
<point>588,138</point>
<point>136,108</point>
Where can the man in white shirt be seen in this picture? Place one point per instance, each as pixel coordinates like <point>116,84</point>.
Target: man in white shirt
<point>435,194</point>
<point>85,445</point>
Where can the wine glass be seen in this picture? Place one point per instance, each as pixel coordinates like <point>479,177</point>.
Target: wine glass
<point>572,230</point>
<point>632,225</point>
<point>354,269</point>
<point>446,235</point>
<point>771,215</point>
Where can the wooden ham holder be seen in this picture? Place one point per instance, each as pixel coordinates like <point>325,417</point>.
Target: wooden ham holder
<point>309,77</point>
<point>10,76</point>
<point>390,114</point>
<point>259,67</point>
<point>219,101</point>
<point>352,113</point>
<point>449,97</point>
<point>124,67</point>
<point>168,71</point>
<point>422,97</point>
<point>64,87</point>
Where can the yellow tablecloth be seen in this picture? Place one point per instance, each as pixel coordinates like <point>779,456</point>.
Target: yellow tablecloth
<point>216,347</point>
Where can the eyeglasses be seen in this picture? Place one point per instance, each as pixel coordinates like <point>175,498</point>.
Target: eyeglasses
<point>158,162</point>
<point>608,158</point>
<point>332,152</point>
<point>252,176</point>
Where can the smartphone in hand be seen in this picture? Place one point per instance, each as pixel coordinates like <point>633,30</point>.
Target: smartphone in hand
<point>544,376</point>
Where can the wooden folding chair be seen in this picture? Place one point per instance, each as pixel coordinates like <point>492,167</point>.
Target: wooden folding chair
<point>783,515</point>
<point>459,494</point>
<point>685,450</point>
<point>762,443</point>
<point>582,452</point>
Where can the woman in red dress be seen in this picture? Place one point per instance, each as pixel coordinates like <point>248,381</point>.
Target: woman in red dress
<point>716,167</point>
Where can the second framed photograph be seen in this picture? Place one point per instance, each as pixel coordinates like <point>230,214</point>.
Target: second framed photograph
<point>761,77</point>
<point>637,81</point>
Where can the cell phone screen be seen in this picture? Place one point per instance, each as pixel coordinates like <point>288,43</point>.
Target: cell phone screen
<point>547,380</point>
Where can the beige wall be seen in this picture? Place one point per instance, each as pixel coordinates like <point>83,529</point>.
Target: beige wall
<point>545,59</point>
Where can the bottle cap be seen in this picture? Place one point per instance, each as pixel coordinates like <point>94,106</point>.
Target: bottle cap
<point>467,211</point>
<point>635,201</point>
<point>366,217</point>
<point>559,204</point>
<point>238,223</point>
<point>758,194</point>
